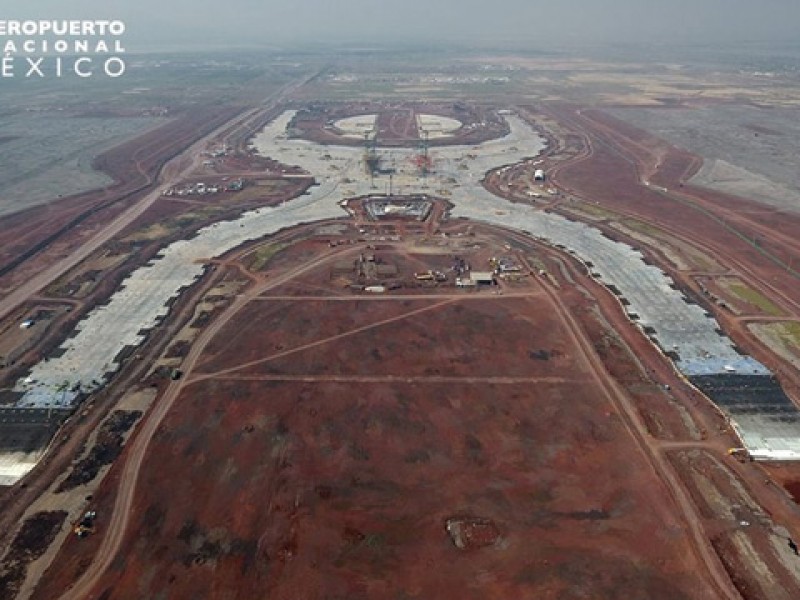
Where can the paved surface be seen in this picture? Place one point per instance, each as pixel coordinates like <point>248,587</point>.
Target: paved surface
<point>661,310</point>
<point>24,433</point>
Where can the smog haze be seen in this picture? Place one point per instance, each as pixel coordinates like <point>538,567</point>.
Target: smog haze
<point>200,24</point>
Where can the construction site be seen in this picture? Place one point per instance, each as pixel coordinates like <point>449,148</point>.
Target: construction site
<point>398,125</point>
<point>376,349</point>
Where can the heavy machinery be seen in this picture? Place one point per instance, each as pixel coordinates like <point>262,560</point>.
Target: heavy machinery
<point>741,454</point>
<point>372,160</point>
<point>422,160</point>
<point>85,526</point>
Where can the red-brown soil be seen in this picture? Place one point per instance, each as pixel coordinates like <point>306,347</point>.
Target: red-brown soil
<point>724,224</point>
<point>71,438</point>
<point>31,542</point>
<point>335,474</point>
<point>397,124</point>
<point>323,445</point>
<point>752,241</point>
<point>177,218</point>
<point>133,165</point>
<point>280,481</point>
<point>402,348</point>
<point>788,477</point>
<point>739,527</point>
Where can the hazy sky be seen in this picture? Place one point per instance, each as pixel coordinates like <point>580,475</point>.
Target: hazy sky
<point>161,23</point>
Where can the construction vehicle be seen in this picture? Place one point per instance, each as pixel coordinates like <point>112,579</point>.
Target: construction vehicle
<point>85,526</point>
<point>741,454</point>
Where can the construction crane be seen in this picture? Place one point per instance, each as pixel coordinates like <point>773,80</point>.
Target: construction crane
<point>372,161</point>
<point>422,160</point>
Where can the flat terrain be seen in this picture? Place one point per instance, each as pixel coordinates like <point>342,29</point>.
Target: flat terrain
<point>325,456</point>
<point>748,151</point>
<point>51,155</point>
<point>284,432</point>
<point>400,125</point>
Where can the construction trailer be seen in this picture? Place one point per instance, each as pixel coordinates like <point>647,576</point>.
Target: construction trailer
<point>482,277</point>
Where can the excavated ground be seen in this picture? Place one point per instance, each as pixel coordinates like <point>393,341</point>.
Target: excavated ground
<point>451,446</point>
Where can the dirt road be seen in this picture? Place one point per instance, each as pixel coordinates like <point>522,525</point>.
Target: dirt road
<point>118,522</point>
<point>171,174</point>
<point>650,448</point>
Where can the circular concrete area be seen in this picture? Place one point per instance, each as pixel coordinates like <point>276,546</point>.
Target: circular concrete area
<point>431,126</point>
<point>437,126</point>
<point>356,127</point>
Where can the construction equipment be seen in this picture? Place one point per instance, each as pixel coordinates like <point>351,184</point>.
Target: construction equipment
<point>741,454</point>
<point>85,526</point>
<point>372,161</point>
<point>422,160</point>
